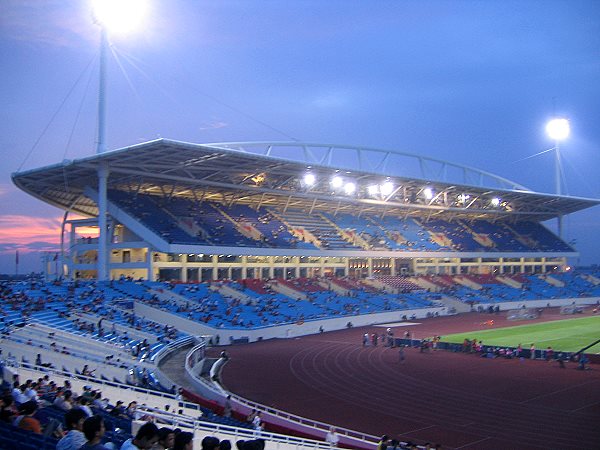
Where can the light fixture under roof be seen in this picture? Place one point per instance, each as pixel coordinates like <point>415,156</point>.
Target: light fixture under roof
<point>309,179</point>
<point>428,193</point>
<point>337,182</point>
<point>386,188</point>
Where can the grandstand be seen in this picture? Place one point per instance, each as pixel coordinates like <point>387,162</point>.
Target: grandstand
<point>230,243</point>
<point>191,212</point>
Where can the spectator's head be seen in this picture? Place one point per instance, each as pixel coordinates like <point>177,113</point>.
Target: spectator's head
<point>74,419</point>
<point>93,428</point>
<point>184,441</point>
<point>225,445</point>
<point>7,400</point>
<point>210,443</point>
<point>146,436</point>
<point>256,444</point>
<point>28,408</point>
<point>166,437</point>
<point>67,394</point>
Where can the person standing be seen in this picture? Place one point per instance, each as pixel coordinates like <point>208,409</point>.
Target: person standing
<point>401,355</point>
<point>332,438</point>
<point>257,425</point>
<point>532,351</point>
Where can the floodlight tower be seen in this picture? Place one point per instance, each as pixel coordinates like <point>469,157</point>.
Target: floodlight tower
<point>118,16</point>
<point>558,129</point>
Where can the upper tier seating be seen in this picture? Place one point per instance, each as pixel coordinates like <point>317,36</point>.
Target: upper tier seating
<point>186,221</point>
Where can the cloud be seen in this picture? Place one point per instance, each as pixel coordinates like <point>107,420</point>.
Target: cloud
<point>50,22</point>
<point>213,125</point>
<point>37,246</point>
<point>29,233</point>
<point>332,99</point>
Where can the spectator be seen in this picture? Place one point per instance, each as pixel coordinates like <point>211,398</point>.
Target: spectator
<point>166,439</point>
<point>185,441</point>
<point>25,420</point>
<point>210,443</point>
<point>256,444</point>
<point>74,438</point>
<point>118,410</point>
<point>332,438</point>
<point>64,401</point>
<point>7,411</point>
<point>18,393</point>
<point>145,438</point>
<point>131,410</point>
<point>84,404</point>
<point>93,429</point>
<point>383,443</point>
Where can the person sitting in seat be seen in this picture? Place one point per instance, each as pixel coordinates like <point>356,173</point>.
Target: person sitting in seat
<point>74,438</point>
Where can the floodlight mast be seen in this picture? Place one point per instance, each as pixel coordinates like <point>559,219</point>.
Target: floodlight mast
<point>558,129</point>
<point>107,14</point>
<point>103,169</point>
<point>101,143</point>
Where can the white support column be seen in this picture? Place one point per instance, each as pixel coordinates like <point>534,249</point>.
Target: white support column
<point>102,265</point>
<point>244,267</point>
<point>183,272</point>
<point>150,264</point>
<point>215,267</point>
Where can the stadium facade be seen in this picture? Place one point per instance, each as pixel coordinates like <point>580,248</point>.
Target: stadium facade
<point>194,212</point>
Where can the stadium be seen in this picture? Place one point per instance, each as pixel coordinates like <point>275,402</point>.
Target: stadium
<point>309,282</point>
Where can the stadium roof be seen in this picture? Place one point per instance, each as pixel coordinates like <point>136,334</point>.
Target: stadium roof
<point>271,174</point>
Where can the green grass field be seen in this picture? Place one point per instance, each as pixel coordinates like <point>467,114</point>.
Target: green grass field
<point>562,335</point>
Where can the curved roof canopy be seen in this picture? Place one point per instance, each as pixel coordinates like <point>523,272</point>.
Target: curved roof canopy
<point>272,173</point>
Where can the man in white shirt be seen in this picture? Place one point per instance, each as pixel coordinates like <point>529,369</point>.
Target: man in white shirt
<point>18,394</point>
<point>75,438</point>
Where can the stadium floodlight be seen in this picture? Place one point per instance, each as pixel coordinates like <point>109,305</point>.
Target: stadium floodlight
<point>309,179</point>
<point>558,129</point>
<point>386,188</point>
<point>119,15</point>
<point>463,198</point>
<point>495,202</point>
<point>337,182</point>
<point>428,193</point>
<point>349,188</point>
<point>373,190</point>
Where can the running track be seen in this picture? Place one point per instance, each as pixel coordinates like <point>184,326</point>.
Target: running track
<point>458,400</point>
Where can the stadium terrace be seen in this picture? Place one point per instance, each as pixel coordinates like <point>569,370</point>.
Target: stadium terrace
<point>196,212</point>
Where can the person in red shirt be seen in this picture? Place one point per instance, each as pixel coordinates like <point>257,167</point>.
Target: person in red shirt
<point>25,420</point>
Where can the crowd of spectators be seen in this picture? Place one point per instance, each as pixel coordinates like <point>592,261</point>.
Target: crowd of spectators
<point>89,421</point>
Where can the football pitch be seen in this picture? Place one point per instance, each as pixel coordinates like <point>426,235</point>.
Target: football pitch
<point>568,335</point>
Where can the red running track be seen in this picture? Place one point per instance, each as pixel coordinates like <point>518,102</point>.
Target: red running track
<point>459,400</point>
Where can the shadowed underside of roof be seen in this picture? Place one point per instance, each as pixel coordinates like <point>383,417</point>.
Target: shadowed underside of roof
<point>270,174</point>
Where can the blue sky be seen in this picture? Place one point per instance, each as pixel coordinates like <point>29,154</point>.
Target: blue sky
<point>467,81</point>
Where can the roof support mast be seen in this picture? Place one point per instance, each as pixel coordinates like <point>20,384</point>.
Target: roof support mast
<point>103,171</point>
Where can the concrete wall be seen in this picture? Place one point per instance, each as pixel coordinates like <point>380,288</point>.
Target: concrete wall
<point>282,331</point>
